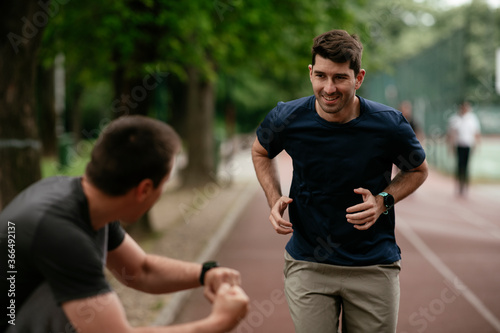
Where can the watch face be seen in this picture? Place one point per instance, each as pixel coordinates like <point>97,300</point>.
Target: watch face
<point>389,200</point>
<point>210,264</point>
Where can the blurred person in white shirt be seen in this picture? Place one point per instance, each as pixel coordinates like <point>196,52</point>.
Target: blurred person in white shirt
<point>464,133</point>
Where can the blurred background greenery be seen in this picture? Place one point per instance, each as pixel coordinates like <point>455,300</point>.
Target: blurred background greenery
<point>213,69</point>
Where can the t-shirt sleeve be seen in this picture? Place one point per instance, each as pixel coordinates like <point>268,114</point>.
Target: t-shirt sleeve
<point>70,262</point>
<point>271,132</point>
<point>408,152</point>
<point>116,235</point>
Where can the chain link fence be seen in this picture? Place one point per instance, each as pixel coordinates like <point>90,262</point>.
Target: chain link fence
<point>435,81</point>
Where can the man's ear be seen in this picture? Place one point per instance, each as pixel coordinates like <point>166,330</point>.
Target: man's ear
<point>143,189</point>
<point>360,78</point>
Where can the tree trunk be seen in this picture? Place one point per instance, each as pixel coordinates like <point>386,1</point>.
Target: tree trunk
<point>134,93</point>
<point>177,90</point>
<point>75,106</point>
<point>46,111</point>
<point>200,132</point>
<point>21,27</point>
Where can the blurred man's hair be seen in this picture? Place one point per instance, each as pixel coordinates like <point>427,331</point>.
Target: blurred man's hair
<point>131,149</point>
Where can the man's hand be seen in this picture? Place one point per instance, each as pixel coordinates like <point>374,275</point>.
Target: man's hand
<point>365,214</point>
<point>215,277</point>
<point>281,225</point>
<point>230,306</point>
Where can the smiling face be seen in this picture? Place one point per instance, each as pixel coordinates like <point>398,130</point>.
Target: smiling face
<point>334,85</point>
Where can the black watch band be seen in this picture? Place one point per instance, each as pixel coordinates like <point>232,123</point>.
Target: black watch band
<point>388,201</point>
<point>205,268</point>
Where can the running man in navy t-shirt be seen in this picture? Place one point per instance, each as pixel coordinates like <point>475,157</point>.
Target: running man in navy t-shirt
<point>342,255</point>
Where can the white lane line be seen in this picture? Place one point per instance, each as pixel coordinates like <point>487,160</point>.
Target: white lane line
<point>478,221</point>
<point>447,273</point>
<point>171,310</point>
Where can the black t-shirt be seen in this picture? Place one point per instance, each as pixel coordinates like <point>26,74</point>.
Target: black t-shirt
<point>46,235</point>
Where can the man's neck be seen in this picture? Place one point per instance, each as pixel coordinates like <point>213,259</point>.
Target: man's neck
<point>349,112</point>
<point>103,209</point>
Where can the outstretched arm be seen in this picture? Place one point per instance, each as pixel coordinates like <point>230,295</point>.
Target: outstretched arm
<point>157,275</point>
<point>104,313</point>
<point>268,176</point>
<point>154,274</point>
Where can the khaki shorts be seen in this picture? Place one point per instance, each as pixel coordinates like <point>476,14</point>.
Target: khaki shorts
<point>317,294</point>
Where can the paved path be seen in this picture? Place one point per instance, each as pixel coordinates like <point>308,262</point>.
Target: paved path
<point>450,281</point>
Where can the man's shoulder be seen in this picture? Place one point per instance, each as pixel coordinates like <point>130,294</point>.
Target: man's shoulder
<point>372,106</point>
<point>307,102</point>
<point>378,112</point>
<point>304,103</point>
<point>51,200</point>
<point>286,112</point>
<point>50,188</point>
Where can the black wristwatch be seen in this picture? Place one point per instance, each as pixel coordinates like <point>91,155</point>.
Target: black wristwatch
<point>388,201</point>
<point>205,268</point>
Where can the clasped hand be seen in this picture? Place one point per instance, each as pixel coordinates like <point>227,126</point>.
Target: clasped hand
<point>363,216</point>
<point>230,302</point>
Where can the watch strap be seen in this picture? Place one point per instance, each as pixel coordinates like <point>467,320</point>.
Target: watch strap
<point>386,195</point>
<point>205,268</point>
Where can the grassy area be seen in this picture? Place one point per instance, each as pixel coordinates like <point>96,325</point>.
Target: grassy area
<point>73,163</point>
<point>484,162</point>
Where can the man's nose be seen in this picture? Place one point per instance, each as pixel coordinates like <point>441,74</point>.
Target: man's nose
<point>330,87</point>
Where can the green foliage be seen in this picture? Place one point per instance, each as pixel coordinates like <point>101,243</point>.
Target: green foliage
<point>482,39</point>
<point>257,44</point>
<point>95,101</point>
<point>422,34</point>
<point>396,29</point>
<point>78,155</point>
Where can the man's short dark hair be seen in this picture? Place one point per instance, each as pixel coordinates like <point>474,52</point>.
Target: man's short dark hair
<point>339,46</point>
<point>131,149</point>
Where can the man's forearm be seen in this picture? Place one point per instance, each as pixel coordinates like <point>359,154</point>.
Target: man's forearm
<point>205,325</point>
<point>268,177</point>
<point>406,182</point>
<point>165,275</point>
<point>267,174</point>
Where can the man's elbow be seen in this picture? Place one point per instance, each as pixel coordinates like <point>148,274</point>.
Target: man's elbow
<point>423,170</point>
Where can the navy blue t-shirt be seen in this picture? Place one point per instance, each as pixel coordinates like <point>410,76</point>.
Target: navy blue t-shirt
<point>330,160</point>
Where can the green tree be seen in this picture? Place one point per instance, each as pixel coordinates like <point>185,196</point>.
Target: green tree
<point>196,43</point>
<point>481,40</point>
